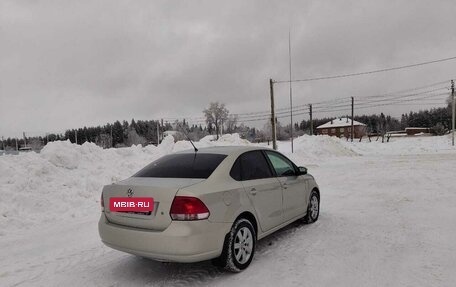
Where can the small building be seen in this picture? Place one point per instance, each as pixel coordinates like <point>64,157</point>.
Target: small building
<point>413,131</point>
<point>341,127</point>
<point>25,149</point>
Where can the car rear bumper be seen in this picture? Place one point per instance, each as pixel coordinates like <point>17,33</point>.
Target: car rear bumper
<point>181,241</point>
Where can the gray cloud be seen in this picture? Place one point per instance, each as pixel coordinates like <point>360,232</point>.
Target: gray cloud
<point>65,64</point>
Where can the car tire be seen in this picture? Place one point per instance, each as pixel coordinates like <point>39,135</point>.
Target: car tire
<point>313,208</point>
<point>238,248</point>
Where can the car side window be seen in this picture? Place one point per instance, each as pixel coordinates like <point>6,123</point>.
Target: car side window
<point>236,170</point>
<point>281,165</point>
<point>253,165</point>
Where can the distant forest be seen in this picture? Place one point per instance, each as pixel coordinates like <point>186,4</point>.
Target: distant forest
<point>121,134</point>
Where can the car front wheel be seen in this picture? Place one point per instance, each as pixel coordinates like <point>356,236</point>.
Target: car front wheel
<point>239,247</point>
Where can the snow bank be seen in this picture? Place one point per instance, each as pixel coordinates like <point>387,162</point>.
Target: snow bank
<point>402,145</point>
<point>316,149</point>
<point>312,150</point>
<point>384,221</point>
<point>64,180</point>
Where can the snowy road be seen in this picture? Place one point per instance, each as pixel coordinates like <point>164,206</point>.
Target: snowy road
<point>385,221</point>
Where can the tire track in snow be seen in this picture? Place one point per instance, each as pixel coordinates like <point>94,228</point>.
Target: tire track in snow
<point>65,260</point>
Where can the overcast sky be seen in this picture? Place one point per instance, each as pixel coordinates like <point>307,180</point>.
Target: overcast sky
<point>67,64</point>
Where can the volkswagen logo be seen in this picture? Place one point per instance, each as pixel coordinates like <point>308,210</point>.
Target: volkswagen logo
<point>130,192</point>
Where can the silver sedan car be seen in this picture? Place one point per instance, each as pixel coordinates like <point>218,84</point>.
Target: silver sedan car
<point>214,203</point>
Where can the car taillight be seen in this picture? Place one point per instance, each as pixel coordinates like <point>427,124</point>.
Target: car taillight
<point>102,202</point>
<point>188,208</point>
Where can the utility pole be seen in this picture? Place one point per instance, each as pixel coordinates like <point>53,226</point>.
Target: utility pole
<point>25,139</point>
<point>158,133</point>
<point>311,121</point>
<point>17,146</point>
<point>273,119</point>
<point>353,114</point>
<point>75,136</point>
<point>162,128</point>
<point>291,93</point>
<point>111,137</point>
<point>453,111</point>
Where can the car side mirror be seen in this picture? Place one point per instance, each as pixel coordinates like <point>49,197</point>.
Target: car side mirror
<point>302,170</point>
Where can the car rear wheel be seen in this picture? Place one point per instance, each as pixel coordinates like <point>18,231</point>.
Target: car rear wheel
<point>239,247</point>
<point>313,209</point>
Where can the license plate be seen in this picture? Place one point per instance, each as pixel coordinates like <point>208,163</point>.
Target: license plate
<point>127,204</point>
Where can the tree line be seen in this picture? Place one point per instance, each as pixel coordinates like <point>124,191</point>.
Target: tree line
<point>218,120</point>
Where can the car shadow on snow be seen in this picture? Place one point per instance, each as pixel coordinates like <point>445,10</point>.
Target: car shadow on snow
<point>138,271</point>
<point>133,270</point>
<point>280,238</point>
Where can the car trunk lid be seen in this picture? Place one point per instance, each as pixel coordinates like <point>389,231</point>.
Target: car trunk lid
<point>162,190</point>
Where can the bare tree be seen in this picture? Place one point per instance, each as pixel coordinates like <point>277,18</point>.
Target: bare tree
<point>215,115</point>
<point>231,123</point>
<point>267,130</point>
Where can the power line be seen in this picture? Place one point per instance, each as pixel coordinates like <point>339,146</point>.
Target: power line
<point>369,100</point>
<point>399,96</point>
<point>383,97</point>
<point>386,104</point>
<point>374,104</point>
<point>412,89</point>
<point>342,104</point>
<point>425,97</point>
<point>251,116</point>
<point>368,72</point>
<point>346,107</point>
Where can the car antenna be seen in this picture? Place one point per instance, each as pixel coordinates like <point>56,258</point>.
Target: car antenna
<point>186,135</point>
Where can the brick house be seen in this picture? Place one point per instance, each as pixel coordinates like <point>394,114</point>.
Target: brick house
<point>341,127</point>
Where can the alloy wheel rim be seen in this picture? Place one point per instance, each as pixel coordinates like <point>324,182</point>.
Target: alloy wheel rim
<point>314,207</point>
<point>243,245</point>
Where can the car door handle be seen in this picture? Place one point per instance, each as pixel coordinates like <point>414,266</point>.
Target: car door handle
<point>285,186</point>
<point>253,191</point>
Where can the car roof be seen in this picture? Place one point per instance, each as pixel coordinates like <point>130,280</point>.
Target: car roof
<point>227,150</point>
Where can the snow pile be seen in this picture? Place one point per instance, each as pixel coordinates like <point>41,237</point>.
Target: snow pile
<point>62,155</point>
<point>61,182</point>
<point>376,208</point>
<point>210,140</point>
<point>322,146</point>
<point>402,145</point>
<point>314,149</point>
<point>65,180</point>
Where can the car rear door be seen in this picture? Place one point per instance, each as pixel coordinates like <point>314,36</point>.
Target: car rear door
<point>294,186</point>
<point>263,189</point>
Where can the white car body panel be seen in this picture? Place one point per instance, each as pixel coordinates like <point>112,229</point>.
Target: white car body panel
<point>271,206</point>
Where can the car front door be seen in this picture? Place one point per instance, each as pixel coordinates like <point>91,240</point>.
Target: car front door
<point>263,189</point>
<point>294,186</point>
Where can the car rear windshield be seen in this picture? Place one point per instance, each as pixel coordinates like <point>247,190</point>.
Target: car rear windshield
<point>184,165</point>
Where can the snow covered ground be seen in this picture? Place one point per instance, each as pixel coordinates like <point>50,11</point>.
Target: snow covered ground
<point>387,218</point>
